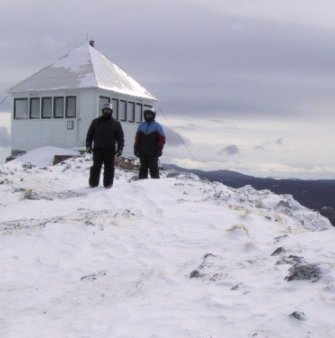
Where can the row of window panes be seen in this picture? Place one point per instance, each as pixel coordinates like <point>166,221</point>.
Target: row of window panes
<point>45,107</point>
<point>124,110</point>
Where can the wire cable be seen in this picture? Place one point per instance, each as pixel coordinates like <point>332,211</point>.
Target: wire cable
<point>179,137</point>
<point>3,100</point>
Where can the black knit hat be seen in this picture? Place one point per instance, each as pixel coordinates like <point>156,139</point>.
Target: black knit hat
<point>149,111</point>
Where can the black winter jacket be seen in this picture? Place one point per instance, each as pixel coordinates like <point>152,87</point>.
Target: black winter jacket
<point>105,133</point>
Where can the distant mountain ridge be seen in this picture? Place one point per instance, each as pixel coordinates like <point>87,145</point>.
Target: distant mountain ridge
<point>318,195</point>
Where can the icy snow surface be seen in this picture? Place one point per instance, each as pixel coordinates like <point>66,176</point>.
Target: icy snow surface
<point>175,257</point>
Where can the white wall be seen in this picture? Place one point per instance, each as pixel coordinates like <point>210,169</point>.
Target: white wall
<point>28,134</point>
<point>5,122</point>
<point>87,110</point>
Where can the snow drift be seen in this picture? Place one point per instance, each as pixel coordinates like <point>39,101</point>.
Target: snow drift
<point>176,257</point>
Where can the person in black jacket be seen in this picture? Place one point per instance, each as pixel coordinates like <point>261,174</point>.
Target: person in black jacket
<point>149,143</point>
<point>107,135</point>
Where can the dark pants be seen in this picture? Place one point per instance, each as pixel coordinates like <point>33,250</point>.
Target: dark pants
<point>102,156</point>
<point>149,163</point>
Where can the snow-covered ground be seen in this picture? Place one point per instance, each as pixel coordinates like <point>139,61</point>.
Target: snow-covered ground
<point>175,257</point>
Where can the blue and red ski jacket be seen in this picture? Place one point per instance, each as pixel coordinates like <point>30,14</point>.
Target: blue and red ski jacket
<point>149,139</point>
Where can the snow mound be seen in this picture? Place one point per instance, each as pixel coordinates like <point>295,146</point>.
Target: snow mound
<point>43,156</point>
<point>175,257</point>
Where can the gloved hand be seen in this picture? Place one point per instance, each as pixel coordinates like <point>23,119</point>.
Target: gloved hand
<point>136,152</point>
<point>118,153</point>
<point>89,149</point>
<point>159,153</point>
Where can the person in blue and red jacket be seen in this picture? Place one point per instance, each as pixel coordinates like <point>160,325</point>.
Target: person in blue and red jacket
<point>149,143</point>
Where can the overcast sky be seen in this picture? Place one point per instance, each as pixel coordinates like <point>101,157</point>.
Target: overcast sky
<point>246,85</point>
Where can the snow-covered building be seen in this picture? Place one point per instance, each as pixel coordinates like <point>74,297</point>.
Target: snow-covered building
<point>56,105</point>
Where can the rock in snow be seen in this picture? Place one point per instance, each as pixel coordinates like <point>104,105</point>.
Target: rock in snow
<point>175,257</point>
<point>298,315</point>
<point>304,272</point>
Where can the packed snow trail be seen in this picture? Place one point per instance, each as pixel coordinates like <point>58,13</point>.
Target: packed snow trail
<point>175,257</point>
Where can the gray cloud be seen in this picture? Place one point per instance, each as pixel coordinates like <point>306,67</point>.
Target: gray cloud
<point>175,139</point>
<point>260,148</point>
<point>197,62</point>
<point>229,150</point>
<point>278,144</point>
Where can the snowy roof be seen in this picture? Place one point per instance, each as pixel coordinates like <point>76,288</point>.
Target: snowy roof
<point>83,67</point>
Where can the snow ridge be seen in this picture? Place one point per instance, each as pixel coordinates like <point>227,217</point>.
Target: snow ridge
<point>176,257</point>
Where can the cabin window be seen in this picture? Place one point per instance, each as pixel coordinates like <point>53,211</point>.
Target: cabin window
<point>115,103</point>
<point>35,108</point>
<point>71,106</point>
<point>131,111</point>
<point>46,107</point>
<point>102,101</point>
<point>138,112</point>
<point>122,110</point>
<point>20,108</point>
<point>58,107</point>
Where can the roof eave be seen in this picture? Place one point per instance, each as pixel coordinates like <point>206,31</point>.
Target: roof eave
<point>148,97</point>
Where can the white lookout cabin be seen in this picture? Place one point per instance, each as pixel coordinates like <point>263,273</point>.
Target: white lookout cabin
<point>56,105</point>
